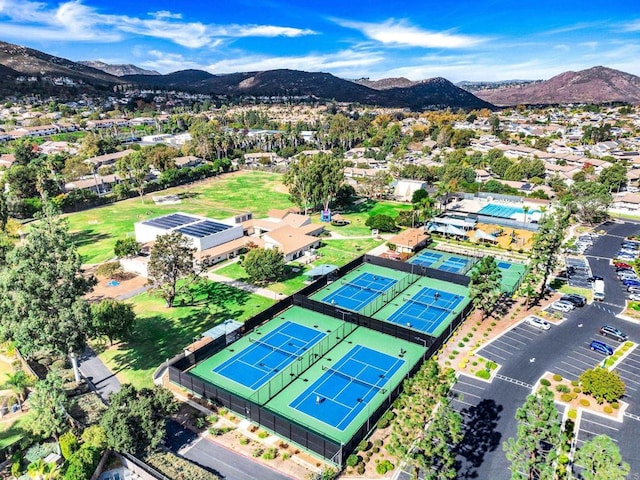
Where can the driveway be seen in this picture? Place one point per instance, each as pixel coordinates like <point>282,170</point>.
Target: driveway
<point>97,374</point>
<point>215,458</point>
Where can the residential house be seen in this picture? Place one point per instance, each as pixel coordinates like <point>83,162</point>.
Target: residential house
<point>107,159</point>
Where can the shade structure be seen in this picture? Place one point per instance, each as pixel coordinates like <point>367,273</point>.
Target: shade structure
<point>320,270</point>
<point>480,235</point>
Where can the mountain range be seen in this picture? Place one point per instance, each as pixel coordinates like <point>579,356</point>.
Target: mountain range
<point>595,85</point>
<point>118,70</point>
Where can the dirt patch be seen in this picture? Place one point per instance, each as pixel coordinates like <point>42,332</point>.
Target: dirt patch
<point>107,288</point>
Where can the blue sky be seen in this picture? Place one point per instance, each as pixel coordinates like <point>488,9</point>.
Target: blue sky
<point>458,40</point>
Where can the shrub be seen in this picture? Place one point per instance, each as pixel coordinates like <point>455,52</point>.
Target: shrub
<point>572,414</point>
<point>263,434</point>
<point>574,395</point>
<point>39,451</point>
<point>286,456</point>
<point>383,423</point>
<point>377,443</point>
<point>270,454</point>
<point>68,444</point>
<point>565,397</point>
<point>200,422</point>
<point>384,467</point>
<point>361,469</point>
<point>213,418</point>
<point>584,402</point>
<point>491,365</point>
<point>483,374</point>
<point>577,389</point>
<point>575,383</point>
<point>557,377</point>
<point>353,460</point>
<point>375,449</point>
<point>364,445</point>
<point>607,409</point>
<point>562,388</point>
<point>59,364</point>
<point>244,441</point>
<point>545,383</point>
<point>461,344</point>
<point>615,405</point>
<point>455,352</point>
<point>257,452</point>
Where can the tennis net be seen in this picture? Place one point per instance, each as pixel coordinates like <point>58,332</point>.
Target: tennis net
<point>367,289</point>
<point>274,348</point>
<point>353,379</point>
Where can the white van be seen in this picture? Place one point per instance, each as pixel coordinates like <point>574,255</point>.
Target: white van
<point>598,290</point>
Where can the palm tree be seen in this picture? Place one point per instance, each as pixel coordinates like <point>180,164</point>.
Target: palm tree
<point>18,382</point>
<point>525,210</point>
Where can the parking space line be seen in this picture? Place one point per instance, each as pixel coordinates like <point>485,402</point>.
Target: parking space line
<point>479,387</point>
<point>576,375</point>
<point>463,402</point>
<point>503,350</point>
<point>469,394</point>
<point>593,433</point>
<point>631,415</point>
<point>577,360</point>
<point>513,332</point>
<point>510,345</point>
<point>489,354</point>
<point>510,339</point>
<point>600,424</point>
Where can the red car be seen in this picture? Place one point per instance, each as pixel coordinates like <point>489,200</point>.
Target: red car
<point>622,264</point>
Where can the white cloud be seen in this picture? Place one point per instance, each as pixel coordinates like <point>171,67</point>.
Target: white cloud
<point>632,26</point>
<point>399,32</point>
<point>72,20</point>
<point>339,63</point>
<point>168,62</point>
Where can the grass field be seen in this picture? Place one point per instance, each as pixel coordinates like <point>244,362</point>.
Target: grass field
<point>358,214</point>
<point>95,231</point>
<point>12,430</point>
<point>293,282</point>
<point>162,333</point>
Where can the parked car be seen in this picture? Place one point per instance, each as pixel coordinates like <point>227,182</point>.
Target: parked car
<point>624,269</point>
<point>631,283</point>
<point>594,278</point>
<point>613,332</point>
<point>598,346</point>
<point>564,307</point>
<point>621,265</point>
<point>627,275</point>
<point>633,289</point>
<point>577,300</point>
<point>634,297</point>
<point>538,323</point>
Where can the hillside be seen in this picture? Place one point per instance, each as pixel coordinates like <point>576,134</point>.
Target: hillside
<point>118,70</point>
<point>594,85</point>
<point>386,83</point>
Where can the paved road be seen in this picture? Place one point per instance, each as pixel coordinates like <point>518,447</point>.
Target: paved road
<point>222,461</point>
<point>98,374</point>
<point>526,353</point>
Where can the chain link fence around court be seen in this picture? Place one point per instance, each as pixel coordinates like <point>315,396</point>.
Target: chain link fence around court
<point>302,363</point>
<point>388,295</point>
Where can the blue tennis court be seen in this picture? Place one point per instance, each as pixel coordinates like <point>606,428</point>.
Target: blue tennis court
<point>453,264</point>
<point>356,293</point>
<point>268,354</point>
<point>426,309</point>
<point>344,389</point>
<point>504,265</point>
<point>426,258</point>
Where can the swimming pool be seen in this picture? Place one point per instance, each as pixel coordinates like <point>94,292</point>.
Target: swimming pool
<point>503,211</point>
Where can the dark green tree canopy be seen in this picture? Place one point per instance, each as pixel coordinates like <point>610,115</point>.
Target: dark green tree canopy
<point>172,258</point>
<point>126,247</point>
<point>484,287</point>
<point>381,222</point>
<point>601,460</point>
<point>113,319</point>
<point>264,265</point>
<point>314,180</point>
<point>42,288</point>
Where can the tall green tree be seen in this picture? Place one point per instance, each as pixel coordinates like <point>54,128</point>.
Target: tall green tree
<point>545,251</point>
<point>614,176</point>
<point>601,460</point>
<point>435,450</point>
<point>590,201</point>
<point>172,258</point>
<point>414,408</point>
<point>126,247</point>
<point>49,404</point>
<point>134,421</point>
<point>42,289</point>
<point>484,286</point>
<point>113,319</point>
<point>264,265</point>
<point>533,451</point>
<point>135,168</point>
<point>315,180</point>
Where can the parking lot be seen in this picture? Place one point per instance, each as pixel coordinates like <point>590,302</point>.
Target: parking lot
<point>525,353</point>
<point>578,272</point>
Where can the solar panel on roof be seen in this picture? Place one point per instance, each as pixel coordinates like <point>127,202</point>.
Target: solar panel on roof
<point>203,228</point>
<point>170,221</point>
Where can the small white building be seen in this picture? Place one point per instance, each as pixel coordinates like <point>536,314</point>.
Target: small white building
<point>406,187</point>
<point>203,233</point>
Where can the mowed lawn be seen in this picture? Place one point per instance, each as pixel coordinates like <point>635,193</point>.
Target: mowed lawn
<point>358,215</point>
<point>162,332</point>
<point>13,429</point>
<point>95,231</point>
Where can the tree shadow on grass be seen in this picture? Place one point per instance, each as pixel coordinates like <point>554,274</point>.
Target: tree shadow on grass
<point>212,295</point>
<point>88,237</point>
<point>360,208</point>
<point>188,195</point>
<point>480,436</point>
